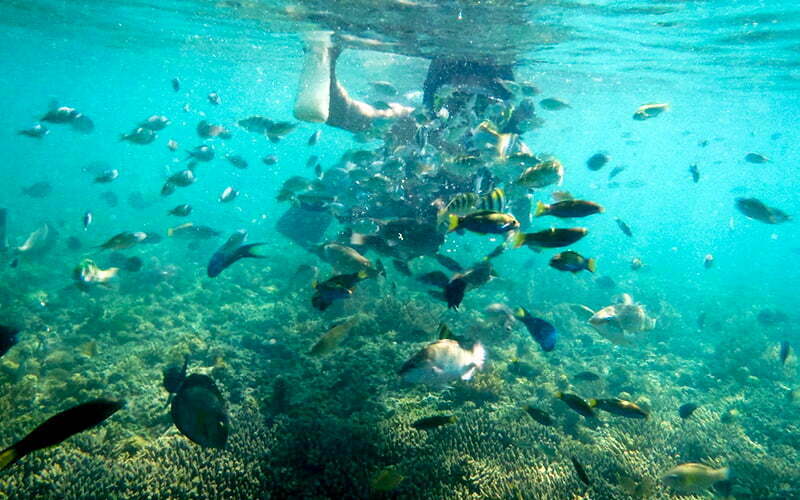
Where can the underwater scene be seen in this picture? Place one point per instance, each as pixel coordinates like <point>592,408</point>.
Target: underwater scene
<point>417,249</point>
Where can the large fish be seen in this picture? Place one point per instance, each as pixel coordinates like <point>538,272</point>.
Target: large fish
<point>198,411</point>
<point>230,252</point>
<point>443,362</point>
<point>617,321</point>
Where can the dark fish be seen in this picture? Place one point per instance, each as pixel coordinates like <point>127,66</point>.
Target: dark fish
<point>695,173</point>
<point>314,139</point>
<point>214,98</point>
<point>37,131</point>
<point>619,407</point>
<point>484,222</point>
<point>176,84</point>
<point>498,250</point>
<point>428,423</point>
<point>107,176</point>
<point>60,427</point>
<point>540,416</point>
<point>173,377</point>
<point>14,263</point>
<point>605,282</point>
<point>771,317</point>
<point>8,338</point>
<point>597,161</point>
<point>206,130</point>
<point>550,238</point>
<point>269,160</point>
<point>435,278</point>
<point>454,292</point>
<point>623,227</point>
<point>74,243</point>
<point>336,288</point>
<point>401,266</point>
<point>40,189</point>
<point>587,377</point>
<point>756,209</point>
<point>139,135</point>
<point>198,411</point>
<point>133,264</point>
<point>708,261</point>
<point>181,210</point>
<point>554,104</point>
<point>110,197</point>
<point>576,403</point>
<point>572,262</point>
<point>686,410</point>
<point>448,262</point>
<point>201,153</point>
<point>756,158</point>
<point>230,252</point>
<point>580,471</point>
<point>786,348</point>
<point>616,171</point>
<point>543,332</point>
<point>237,161</point>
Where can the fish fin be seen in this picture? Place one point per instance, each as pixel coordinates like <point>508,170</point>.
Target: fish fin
<point>444,332</point>
<point>591,265</point>
<point>520,313</point>
<point>478,355</point>
<point>541,208</point>
<point>592,403</point>
<point>724,473</point>
<point>170,231</point>
<point>519,239</point>
<point>247,251</point>
<point>468,372</point>
<point>8,457</point>
<point>453,223</point>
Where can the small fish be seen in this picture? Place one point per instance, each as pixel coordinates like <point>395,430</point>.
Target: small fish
<point>191,231</point>
<point>435,278</point>
<point>550,238</point>
<point>694,477</point>
<point>181,210</point>
<point>498,250</point>
<point>176,84</point>
<point>107,176</point>
<point>87,274</point>
<point>384,88</point>
<point>331,339</point>
<point>708,261</point>
<point>587,376</point>
<point>155,122</point>
<point>237,161</point>
<point>580,471</point>
<point>484,222</point>
<point>597,161</point>
<point>695,171</point>
<point>139,135</point>
<point>228,195</point>
<point>771,317</point>
<point>87,220</point>
<point>207,130</point>
<point>540,416</point>
<point>269,160</point>
<point>201,153</point>
<point>232,251</point>
<point>568,209</point>
<point>623,227</point>
<point>214,98</point>
<point>386,480</point>
<point>14,263</point>
<point>448,262</point>
<point>277,130</point>
<point>756,158</point>
<point>198,411</point>
<point>123,240</point>
<point>636,264</point>
<point>454,292</point>
<point>443,362</point>
<point>686,410</point>
<point>785,350</point>
<point>37,131</point>
<point>616,171</point>
<point>573,262</point>
<point>314,139</point>
<point>554,104</point>
<point>543,332</point>
<point>756,209</point>
<point>172,145</point>
<point>428,423</point>
<point>576,403</point>
<point>182,179</point>
<point>8,338</point>
<point>59,427</point>
<point>40,189</point>
<point>338,287</point>
<point>541,175</point>
<point>619,407</point>
<point>647,111</point>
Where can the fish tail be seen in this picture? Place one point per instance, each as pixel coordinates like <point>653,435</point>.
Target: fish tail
<point>170,231</point>
<point>8,457</point>
<point>519,239</point>
<point>591,265</point>
<point>541,208</point>
<point>453,225</point>
<point>520,313</point>
<point>592,403</point>
<point>724,474</point>
<point>248,250</point>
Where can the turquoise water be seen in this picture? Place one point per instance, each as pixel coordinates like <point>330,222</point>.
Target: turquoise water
<point>729,71</point>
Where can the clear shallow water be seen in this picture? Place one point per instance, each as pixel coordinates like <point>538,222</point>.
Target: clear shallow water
<point>729,71</point>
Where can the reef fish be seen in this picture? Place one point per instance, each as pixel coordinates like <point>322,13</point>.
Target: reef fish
<point>619,407</point>
<point>59,427</point>
<point>576,403</point>
<point>230,252</point>
<point>428,423</point>
<point>335,288</point>
<point>442,362</point>
<point>694,477</point>
<point>550,238</point>
<point>484,222</point>
<point>543,332</point>
<point>616,321</point>
<point>331,339</point>
<point>540,416</point>
<point>686,410</point>
<point>756,209</point>
<point>198,411</point>
<point>647,111</point>
<point>580,471</point>
<point>785,349</point>
<point>568,209</point>
<point>572,262</point>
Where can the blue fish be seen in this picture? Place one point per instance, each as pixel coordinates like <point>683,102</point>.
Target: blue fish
<point>543,332</point>
<point>785,349</point>
<point>230,252</point>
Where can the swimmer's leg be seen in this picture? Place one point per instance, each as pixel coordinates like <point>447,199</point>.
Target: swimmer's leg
<point>314,93</point>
